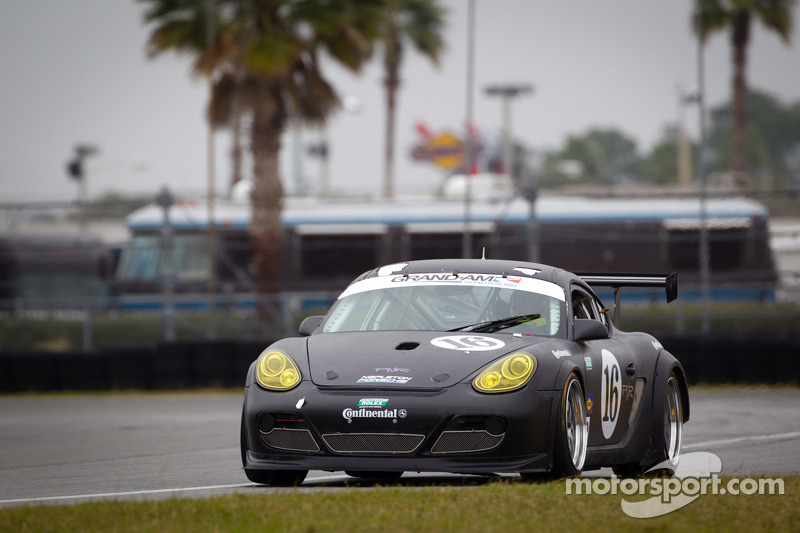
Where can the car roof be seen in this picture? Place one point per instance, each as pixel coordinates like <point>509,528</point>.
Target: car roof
<point>478,266</point>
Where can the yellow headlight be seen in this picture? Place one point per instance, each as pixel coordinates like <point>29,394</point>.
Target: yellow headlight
<point>276,371</point>
<point>507,374</point>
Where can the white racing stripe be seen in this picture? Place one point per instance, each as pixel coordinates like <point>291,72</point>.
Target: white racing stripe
<point>102,495</point>
<point>739,440</point>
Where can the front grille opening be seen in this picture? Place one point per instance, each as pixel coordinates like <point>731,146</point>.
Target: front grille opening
<point>372,443</point>
<point>470,434</point>
<point>469,441</point>
<point>295,440</point>
<point>286,431</point>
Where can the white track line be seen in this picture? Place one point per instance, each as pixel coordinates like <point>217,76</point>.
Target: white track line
<point>121,494</point>
<point>46,499</point>
<point>694,446</point>
<point>739,440</point>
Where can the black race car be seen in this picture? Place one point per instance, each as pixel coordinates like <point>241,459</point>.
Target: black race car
<point>465,366</point>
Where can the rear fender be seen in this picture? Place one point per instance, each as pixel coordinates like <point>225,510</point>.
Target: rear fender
<point>667,364</point>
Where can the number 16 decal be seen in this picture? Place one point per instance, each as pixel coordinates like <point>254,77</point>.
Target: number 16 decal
<point>610,393</point>
<point>468,343</point>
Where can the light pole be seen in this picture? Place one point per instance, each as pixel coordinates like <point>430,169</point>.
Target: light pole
<point>530,191</point>
<point>466,241</point>
<point>701,175</point>
<point>211,177</point>
<point>165,201</point>
<point>508,92</point>
<point>351,105</point>
<point>685,97</point>
<point>76,170</point>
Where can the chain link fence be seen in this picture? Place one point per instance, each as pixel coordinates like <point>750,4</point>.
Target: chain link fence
<point>57,275</point>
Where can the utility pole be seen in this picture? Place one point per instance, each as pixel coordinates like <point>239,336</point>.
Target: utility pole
<point>507,92</point>
<point>165,200</point>
<point>530,191</point>
<point>685,97</point>
<point>77,171</point>
<point>212,229</point>
<point>701,174</point>
<point>466,241</point>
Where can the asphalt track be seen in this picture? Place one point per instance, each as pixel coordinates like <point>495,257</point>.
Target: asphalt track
<point>67,449</point>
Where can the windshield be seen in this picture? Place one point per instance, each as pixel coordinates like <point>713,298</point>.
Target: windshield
<point>141,259</point>
<point>431,302</point>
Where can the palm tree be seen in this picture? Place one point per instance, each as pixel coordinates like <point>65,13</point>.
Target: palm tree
<point>265,56</point>
<point>736,15</point>
<point>184,26</point>
<point>421,22</point>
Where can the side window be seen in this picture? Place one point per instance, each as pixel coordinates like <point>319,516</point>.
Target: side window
<point>601,315</point>
<point>585,305</point>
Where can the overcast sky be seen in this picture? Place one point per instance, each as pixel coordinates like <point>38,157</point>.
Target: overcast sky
<point>75,71</point>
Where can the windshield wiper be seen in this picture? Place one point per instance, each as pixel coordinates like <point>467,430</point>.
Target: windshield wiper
<point>497,325</point>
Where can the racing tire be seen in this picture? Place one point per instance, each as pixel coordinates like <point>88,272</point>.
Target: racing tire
<point>571,435</point>
<point>373,474</point>
<point>277,478</point>
<point>673,437</point>
<point>673,422</point>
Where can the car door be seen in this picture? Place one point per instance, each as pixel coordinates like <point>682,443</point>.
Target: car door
<point>607,364</point>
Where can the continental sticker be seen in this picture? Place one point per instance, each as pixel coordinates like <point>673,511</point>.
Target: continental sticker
<point>349,414</point>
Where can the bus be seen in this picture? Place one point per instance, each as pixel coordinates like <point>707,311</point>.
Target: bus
<point>54,272</point>
<point>327,242</point>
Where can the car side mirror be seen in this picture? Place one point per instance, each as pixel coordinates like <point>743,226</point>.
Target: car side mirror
<point>309,324</point>
<point>586,329</point>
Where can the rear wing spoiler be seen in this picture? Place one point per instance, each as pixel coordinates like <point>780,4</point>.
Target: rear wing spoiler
<point>617,281</point>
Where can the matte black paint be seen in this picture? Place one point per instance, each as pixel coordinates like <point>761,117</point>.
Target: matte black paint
<point>432,402</point>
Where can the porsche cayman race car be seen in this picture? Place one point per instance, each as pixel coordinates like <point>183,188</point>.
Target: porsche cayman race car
<point>465,366</point>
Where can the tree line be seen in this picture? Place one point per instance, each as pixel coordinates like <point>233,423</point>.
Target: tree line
<point>609,156</point>
<point>262,59</point>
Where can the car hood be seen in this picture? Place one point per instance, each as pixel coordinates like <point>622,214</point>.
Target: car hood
<point>414,359</point>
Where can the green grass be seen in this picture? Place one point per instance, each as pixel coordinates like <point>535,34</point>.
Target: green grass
<point>506,506</point>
